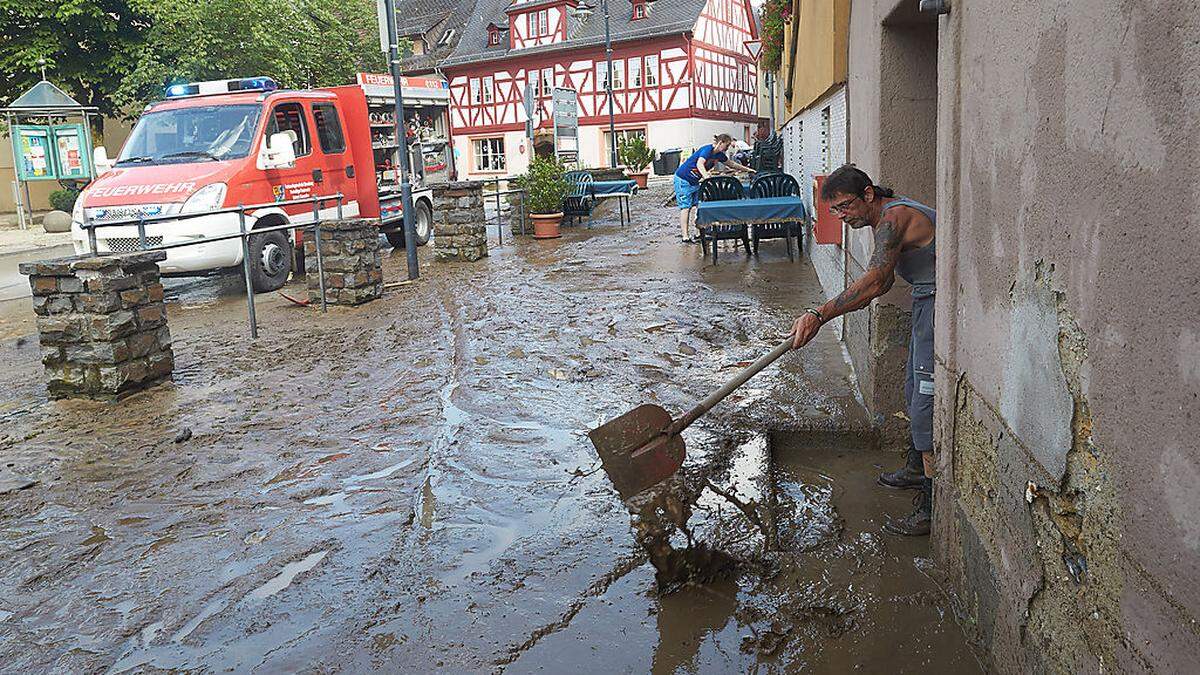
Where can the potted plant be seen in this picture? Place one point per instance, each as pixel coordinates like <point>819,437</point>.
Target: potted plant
<point>636,156</point>
<point>545,188</point>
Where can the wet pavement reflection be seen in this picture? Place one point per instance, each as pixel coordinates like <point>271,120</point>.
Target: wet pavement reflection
<point>408,486</point>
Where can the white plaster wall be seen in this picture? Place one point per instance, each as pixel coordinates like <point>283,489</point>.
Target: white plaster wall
<point>803,159</point>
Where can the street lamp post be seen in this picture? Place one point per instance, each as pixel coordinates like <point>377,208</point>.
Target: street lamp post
<point>410,236</point>
<point>612,130</point>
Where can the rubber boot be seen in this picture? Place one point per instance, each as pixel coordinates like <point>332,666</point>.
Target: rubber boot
<point>916,524</point>
<point>911,476</point>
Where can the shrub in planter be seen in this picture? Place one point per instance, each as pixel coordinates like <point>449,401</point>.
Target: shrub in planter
<point>63,200</point>
<point>545,188</point>
<point>635,154</point>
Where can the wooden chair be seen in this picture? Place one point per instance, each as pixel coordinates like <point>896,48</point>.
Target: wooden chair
<point>580,201</point>
<point>722,188</point>
<point>776,185</point>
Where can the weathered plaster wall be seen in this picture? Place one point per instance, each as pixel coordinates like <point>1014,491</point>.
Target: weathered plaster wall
<point>1067,510</point>
<point>892,86</point>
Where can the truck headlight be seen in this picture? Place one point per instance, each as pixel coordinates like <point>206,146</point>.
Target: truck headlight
<point>207,198</point>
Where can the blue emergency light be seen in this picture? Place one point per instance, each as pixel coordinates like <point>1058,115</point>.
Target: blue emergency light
<point>221,87</point>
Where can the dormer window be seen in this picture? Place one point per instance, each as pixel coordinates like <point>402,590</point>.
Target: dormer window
<point>640,10</point>
<point>493,36</point>
<point>446,37</point>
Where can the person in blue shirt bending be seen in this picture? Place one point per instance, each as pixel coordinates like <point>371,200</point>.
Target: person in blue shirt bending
<point>698,167</point>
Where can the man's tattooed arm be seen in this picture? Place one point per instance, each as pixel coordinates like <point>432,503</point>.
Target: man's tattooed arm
<point>879,277</point>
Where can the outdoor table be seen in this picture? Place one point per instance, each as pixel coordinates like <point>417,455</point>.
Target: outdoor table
<point>751,212</point>
<point>621,189</point>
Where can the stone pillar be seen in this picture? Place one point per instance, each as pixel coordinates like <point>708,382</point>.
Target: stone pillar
<point>459,223</point>
<point>102,324</point>
<point>351,259</point>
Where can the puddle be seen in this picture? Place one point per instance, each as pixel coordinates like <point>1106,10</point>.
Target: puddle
<point>784,534</point>
<point>288,575</point>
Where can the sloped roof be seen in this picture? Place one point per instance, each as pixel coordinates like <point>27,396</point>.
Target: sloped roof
<point>416,17</point>
<point>667,17</point>
<point>45,96</point>
<point>451,14</point>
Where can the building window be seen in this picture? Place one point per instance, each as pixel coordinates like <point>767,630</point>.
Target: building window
<point>489,154</point>
<point>493,37</point>
<point>547,81</point>
<point>618,76</point>
<point>622,136</point>
<point>601,76</point>
<point>652,70</point>
<point>544,22</point>
<point>489,90</point>
<point>826,159</point>
<point>639,10</point>
<point>635,72</point>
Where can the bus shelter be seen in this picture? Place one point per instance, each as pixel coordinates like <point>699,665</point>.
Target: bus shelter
<point>51,140</point>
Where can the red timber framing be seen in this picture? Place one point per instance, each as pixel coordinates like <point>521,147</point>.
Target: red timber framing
<point>706,75</point>
<point>534,23</point>
<point>724,75</point>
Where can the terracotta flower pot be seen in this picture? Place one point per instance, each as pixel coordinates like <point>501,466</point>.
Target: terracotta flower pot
<point>545,225</point>
<point>640,177</point>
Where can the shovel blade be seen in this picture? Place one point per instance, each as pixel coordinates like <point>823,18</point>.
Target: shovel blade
<point>635,451</point>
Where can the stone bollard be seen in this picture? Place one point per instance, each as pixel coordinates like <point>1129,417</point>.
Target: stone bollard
<point>102,324</point>
<point>459,223</point>
<point>351,260</point>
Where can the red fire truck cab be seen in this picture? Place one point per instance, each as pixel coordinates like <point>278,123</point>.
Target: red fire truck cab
<point>213,145</point>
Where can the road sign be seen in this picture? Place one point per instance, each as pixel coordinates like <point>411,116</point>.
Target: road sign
<point>753,48</point>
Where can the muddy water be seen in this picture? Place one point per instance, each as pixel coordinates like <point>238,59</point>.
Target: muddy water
<point>408,486</point>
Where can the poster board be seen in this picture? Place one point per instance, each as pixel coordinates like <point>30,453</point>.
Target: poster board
<point>566,124</point>
<point>71,151</point>
<point>34,152</point>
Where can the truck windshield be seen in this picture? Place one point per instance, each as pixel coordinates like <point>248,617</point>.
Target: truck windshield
<point>201,134</point>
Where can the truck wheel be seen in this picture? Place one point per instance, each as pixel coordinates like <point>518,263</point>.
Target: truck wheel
<point>270,261</point>
<point>423,225</point>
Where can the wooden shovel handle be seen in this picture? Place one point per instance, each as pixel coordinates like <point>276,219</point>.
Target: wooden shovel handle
<point>714,398</point>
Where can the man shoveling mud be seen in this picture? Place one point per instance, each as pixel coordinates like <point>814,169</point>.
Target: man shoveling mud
<point>904,245</point>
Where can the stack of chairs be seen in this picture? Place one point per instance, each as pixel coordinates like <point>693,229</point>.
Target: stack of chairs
<point>580,201</point>
<point>776,185</point>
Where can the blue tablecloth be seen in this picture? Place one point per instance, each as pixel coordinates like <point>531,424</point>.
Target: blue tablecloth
<point>602,188</point>
<point>763,210</point>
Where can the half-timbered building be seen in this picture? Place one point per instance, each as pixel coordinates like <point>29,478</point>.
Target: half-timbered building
<point>681,73</point>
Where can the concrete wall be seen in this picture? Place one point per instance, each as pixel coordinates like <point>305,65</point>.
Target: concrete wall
<point>892,88</point>
<point>1068,341</point>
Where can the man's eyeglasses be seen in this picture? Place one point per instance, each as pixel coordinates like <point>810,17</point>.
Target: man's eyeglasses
<point>841,207</point>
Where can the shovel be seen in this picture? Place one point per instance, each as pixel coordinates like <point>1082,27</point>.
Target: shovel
<point>642,448</point>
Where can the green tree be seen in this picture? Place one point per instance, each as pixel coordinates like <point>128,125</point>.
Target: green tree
<point>300,43</point>
<point>90,47</point>
<point>118,55</point>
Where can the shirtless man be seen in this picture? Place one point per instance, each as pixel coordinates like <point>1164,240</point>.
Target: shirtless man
<point>904,245</point>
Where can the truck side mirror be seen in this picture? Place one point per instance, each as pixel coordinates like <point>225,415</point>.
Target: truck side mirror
<point>278,152</point>
<point>101,160</point>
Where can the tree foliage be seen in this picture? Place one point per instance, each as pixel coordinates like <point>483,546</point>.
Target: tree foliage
<point>89,47</point>
<point>118,55</point>
<point>300,43</point>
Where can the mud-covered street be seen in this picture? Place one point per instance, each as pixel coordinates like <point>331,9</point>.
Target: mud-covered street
<point>408,486</point>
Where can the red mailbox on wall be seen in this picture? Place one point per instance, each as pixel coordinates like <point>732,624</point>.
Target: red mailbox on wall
<point>828,228</point>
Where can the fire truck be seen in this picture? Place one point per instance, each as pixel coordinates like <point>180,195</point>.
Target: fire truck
<point>224,143</point>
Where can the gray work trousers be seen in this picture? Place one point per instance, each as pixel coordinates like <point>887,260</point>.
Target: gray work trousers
<point>918,383</point>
